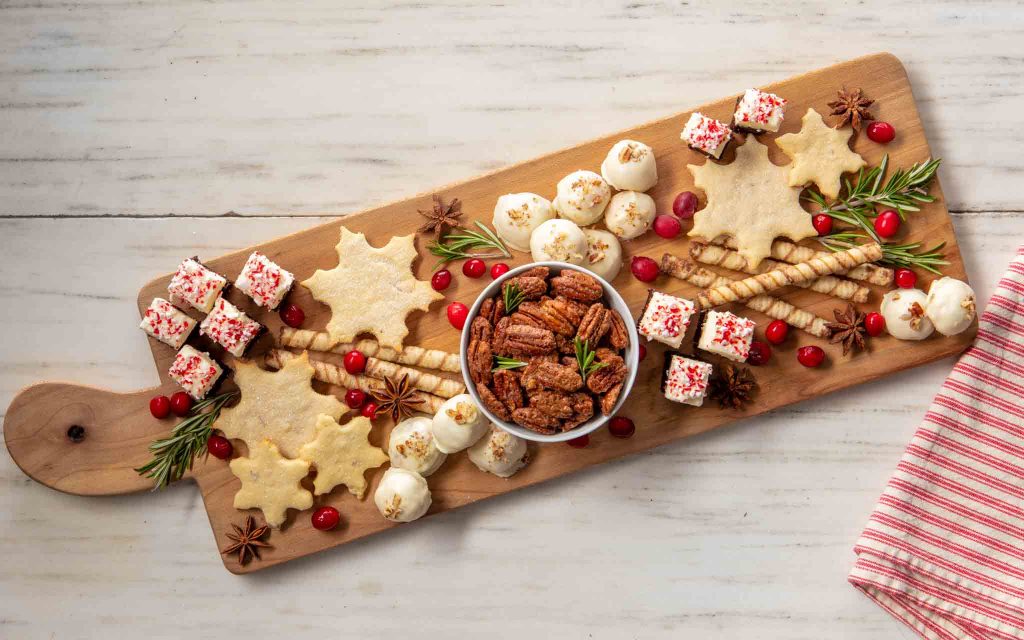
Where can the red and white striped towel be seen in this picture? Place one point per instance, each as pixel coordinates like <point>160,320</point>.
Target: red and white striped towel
<point>944,550</point>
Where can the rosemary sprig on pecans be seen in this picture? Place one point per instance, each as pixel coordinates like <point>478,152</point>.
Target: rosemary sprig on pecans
<point>585,358</point>
<point>501,363</point>
<point>512,296</point>
<point>458,246</point>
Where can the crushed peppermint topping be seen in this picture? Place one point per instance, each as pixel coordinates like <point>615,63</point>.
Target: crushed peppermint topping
<point>759,107</point>
<point>731,335</point>
<point>166,323</point>
<point>264,281</point>
<point>706,134</point>
<point>195,371</point>
<point>229,327</point>
<point>687,380</point>
<point>666,317</point>
<point>196,285</point>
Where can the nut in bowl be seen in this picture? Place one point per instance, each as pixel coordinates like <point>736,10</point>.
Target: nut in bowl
<point>549,351</point>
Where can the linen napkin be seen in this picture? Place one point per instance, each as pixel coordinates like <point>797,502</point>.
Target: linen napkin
<point>944,550</point>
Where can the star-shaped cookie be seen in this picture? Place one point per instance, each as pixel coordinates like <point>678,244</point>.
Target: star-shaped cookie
<point>371,290</point>
<point>281,406</point>
<point>271,482</point>
<point>750,201</point>
<point>341,455</point>
<point>820,154</point>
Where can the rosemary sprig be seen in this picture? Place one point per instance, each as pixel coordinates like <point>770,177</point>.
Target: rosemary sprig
<point>501,362</point>
<point>896,255</point>
<point>173,456</point>
<point>585,358</point>
<point>512,296</point>
<point>457,246</point>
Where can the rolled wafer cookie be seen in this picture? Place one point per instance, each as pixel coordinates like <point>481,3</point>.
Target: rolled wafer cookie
<point>444,387</point>
<point>409,355</point>
<point>828,285</point>
<point>788,274</point>
<point>774,308</point>
<point>333,374</point>
<point>793,253</point>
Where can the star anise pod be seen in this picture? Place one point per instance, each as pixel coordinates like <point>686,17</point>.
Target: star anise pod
<point>848,329</point>
<point>733,386</point>
<point>397,398</point>
<point>441,216</point>
<point>852,108</point>
<point>247,541</point>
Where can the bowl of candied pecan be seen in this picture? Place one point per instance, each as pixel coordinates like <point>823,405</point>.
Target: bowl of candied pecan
<point>549,351</point>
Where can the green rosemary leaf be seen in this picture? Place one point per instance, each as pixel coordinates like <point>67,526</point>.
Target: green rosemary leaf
<point>512,296</point>
<point>458,246</point>
<point>501,362</point>
<point>585,358</point>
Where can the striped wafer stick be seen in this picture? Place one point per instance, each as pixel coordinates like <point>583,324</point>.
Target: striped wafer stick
<point>789,274</point>
<point>793,253</point>
<point>444,387</point>
<point>829,285</point>
<point>772,307</point>
<point>410,355</point>
<point>333,374</point>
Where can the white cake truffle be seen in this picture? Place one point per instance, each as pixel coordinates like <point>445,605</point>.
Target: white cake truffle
<point>630,214</point>
<point>951,306</point>
<point>904,313</point>
<point>501,453</point>
<point>604,253</point>
<point>411,446</point>
<point>458,424</point>
<point>630,166</point>
<point>402,495</point>
<point>516,215</point>
<point>560,241</point>
<point>582,197</point>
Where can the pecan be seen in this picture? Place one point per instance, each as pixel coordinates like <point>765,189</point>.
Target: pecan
<point>535,420</point>
<point>571,310</point>
<point>487,309</point>
<point>618,335</point>
<point>491,402</point>
<point>552,403</point>
<point>609,399</point>
<point>536,272</point>
<point>556,376</point>
<point>480,329</point>
<point>531,287</point>
<point>565,345</point>
<point>480,359</point>
<point>577,286</point>
<point>594,325</point>
<point>499,311</point>
<point>528,379</point>
<point>608,376</point>
<point>582,410</point>
<point>548,318</point>
<point>526,319</point>
<point>498,337</point>
<point>507,389</point>
<point>571,362</point>
<point>522,339</point>
<point>604,354</point>
<point>561,318</point>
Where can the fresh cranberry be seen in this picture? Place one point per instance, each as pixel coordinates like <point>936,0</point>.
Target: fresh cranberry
<point>160,407</point>
<point>325,518</point>
<point>355,398</point>
<point>457,314</point>
<point>621,427</point>
<point>887,223</point>
<point>355,362</point>
<point>811,356</point>
<point>905,278</point>
<point>499,269</point>
<point>776,331</point>
<point>644,269</point>
<point>369,410</point>
<point>579,443</point>
<point>881,132</point>
<point>667,226</point>
<point>292,315</point>
<point>822,224</point>
<point>473,268</point>
<point>874,324</point>
<point>685,205</point>
<point>181,403</point>
<point>219,447</point>
<point>441,279</point>
<point>760,353</point>
<point>641,352</point>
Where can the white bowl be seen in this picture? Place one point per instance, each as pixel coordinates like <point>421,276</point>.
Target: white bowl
<point>631,355</point>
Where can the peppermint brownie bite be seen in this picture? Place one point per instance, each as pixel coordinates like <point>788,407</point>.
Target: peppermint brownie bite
<point>758,111</point>
<point>264,281</point>
<point>665,318</point>
<point>195,371</point>
<point>685,380</point>
<point>706,135</point>
<point>195,285</point>
<point>228,326</point>
<point>167,323</point>
<point>727,335</point>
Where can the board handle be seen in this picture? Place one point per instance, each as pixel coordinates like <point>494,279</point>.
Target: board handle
<point>83,440</point>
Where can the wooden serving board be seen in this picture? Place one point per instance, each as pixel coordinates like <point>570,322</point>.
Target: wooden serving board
<point>118,427</point>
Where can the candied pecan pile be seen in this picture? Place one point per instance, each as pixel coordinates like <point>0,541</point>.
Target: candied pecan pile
<point>543,390</point>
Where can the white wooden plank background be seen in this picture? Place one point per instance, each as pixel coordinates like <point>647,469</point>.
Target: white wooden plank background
<point>122,123</point>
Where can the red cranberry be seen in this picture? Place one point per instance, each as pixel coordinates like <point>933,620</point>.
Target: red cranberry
<point>499,269</point>
<point>621,427</point>
<point>811,356</point>
<point>457,314</point>
<point>905,278</point>
<point>881,132</point>
<point>644,269</point>
<point>355,398</point>
<point>160,407</point>
<point>292,315</point>
<point>219,447</point>
<point>887,223</point>
<point>822,224</point>
<point>776,332</point>
<point>355,362</point>
<point>441,279</point>
<point>369,410</point>
<point>874,324</point>
<point>325,518</point>
<point>473,268</point>
<point>760,353</point>
<point>181,402</point>
<point>685,205</point>
<point>667,226</point>
<point>641,351</point>
<point>579,443</point>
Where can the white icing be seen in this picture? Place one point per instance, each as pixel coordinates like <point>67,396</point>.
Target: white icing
<point>582,197</point>
<point>630,166</point>
<point>686,380</point>
<point>666,319</point>
<point>559,241</point>
<point>760,110</point>
<point>951,306</point>
<point>630,214</point>
<point>411,446</point>
<point>402,495</point>
<point>604,253</point>
<point>500,453</point>
<point>458,424</point>
<point>167,323</point>
<point>707,134</point>
<point>904,313</point>
<point>230,327</point>
<point>516,215</point>
<point>727,334</point>
<point>196,285</point>
<point>264,281</point>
